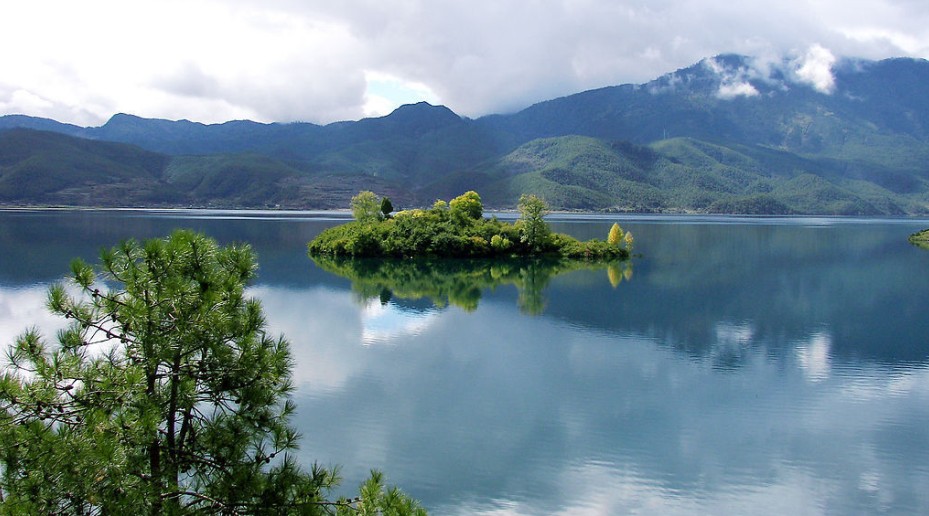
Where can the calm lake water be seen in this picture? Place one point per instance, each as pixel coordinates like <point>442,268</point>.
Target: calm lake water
<point>740,366</point>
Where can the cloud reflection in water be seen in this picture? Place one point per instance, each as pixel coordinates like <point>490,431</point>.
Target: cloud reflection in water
<point>386,323</point>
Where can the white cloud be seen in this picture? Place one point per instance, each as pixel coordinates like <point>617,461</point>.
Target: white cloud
<point>197,60</point>
<point>732,82</point>
<point>284,60</point>
<point>736,89</point>
<point>30,101</point>
<point>812,68</point>
<point>883,38</point>
<point>815,69</point>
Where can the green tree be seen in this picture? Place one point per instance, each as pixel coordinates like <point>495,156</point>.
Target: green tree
<point>500,243</point>
<point>920,239</point>
<point>164,395</point>
<point>534,231</point>
<point>467,206</point>
<point>366,207</point>
<point>387,207</point>
<point>616,235</point>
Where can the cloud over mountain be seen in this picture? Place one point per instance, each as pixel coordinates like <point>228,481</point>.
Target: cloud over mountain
<point>815,69</point>
<point>739,76</point>
<point>284,60</point>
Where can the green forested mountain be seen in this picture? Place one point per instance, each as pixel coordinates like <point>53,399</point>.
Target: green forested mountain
<point>687,174</point>
<point>38,167</point>
<point>729,134</point>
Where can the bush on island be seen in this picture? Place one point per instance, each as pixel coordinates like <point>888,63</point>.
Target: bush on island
<point>458,229</point>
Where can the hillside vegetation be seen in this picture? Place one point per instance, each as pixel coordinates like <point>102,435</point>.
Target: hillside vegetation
<point>457,229</point>
<point>680,143</point>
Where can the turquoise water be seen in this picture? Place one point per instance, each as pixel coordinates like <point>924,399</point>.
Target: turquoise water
<point>742,365</point>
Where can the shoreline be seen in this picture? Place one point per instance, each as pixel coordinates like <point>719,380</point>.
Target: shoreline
<point>558,215</point>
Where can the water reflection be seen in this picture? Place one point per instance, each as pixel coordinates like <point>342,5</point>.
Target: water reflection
<point>534,415</point>
<point>859,284</point>
<point>384,322</point>
<point>461,282</point>
<point>776,367</point>
<point>920,239</point>
<point>488,412</point>
<point>23,308</point>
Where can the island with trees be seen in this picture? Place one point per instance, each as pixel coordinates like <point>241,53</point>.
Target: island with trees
<point>458,229</point>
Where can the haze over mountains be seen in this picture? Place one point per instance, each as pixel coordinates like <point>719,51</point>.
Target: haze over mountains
<point>730,134</point>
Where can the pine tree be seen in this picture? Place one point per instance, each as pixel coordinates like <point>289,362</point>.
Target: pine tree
<point>387,207</point>
<point>165,394</point>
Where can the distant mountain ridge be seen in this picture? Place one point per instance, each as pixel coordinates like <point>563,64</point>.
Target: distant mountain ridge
<point>727,134</point>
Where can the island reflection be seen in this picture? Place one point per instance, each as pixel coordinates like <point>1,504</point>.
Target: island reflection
<point>460,282</point>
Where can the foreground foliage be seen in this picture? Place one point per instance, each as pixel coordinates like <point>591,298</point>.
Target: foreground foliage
<point>456,229</point>
<point>164,395</point>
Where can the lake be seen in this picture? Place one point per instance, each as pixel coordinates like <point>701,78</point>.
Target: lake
<point>739,365</point>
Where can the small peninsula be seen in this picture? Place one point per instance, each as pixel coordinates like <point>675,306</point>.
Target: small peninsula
<point>458,229</point>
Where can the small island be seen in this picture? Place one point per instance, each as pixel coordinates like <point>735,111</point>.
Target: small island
<point>458,229</point>
<point>920,238</point>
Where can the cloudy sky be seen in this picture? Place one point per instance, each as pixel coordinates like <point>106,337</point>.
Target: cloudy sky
<point>324,61</point>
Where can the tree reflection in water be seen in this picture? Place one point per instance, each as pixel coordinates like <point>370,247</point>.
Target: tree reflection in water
<point>459,282</point>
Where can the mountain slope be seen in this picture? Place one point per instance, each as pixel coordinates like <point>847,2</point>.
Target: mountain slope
<point>46,168</point>
<point>684,174</point>
<point>576,172</point>
<point>740,100</point>
<point>40,167</point>
<point>730,134</point>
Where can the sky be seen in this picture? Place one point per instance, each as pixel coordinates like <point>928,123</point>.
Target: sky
<point>323,61</point>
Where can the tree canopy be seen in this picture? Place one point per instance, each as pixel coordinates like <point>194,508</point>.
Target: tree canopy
<point>534,231</point>
<point>387,207</point>
<point>467,206</point>
<point>366,207</point>
<point>615,236</point>
<point>164,395</point>
<point>458,229</point>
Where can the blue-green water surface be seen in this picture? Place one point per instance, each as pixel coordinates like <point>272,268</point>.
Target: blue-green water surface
<point>741,365</point>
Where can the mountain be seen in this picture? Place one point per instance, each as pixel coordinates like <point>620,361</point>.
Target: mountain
<point>729,134</point>
<point>38,167</point>
<point>731,98</point>
<point>46,168</point>
<point>40,124</point>
<point>183,136</point>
